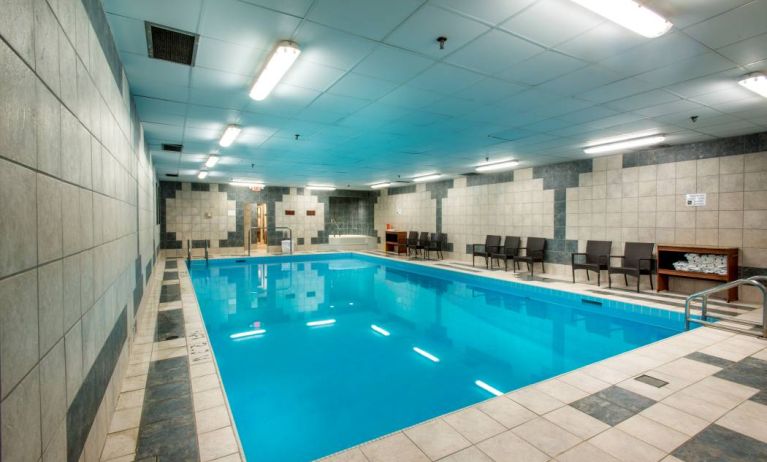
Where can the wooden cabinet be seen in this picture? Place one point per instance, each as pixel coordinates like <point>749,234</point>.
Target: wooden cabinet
<point>396,241</point>
<point>668,254</point>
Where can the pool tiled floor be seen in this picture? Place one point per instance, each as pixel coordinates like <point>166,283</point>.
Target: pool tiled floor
<point>697,396</point>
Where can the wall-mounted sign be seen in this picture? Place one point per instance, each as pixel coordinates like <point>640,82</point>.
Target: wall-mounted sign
<point>290,212</point>
<point>311,213</point>
<point>696,200</point>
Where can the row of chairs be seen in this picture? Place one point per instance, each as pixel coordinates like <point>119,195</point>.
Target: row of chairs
<point>425,243</point>
<point>637,258</point>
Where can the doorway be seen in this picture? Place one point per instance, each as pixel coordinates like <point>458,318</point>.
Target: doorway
<point>255,224</point>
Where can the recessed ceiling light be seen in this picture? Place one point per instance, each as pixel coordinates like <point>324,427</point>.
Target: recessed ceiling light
<point>629,14</point>
<point>429,177</point>
<point>380,185</point>
<point>320,187</point>
<point>203,174</point>
<point>246,183</point>
<point>230,134</point>
<point>500,165</point>
<point>625,144</point>
<point>279,62</point>
<point>212,161</point>
<point>756,82</point>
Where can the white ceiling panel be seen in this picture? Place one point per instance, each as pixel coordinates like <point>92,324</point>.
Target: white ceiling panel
<point>542,67</point>
<point>229,57</point>
<point>489,11</point>
<point>246,24</point>
<point>490,90</point>
<point>293,7</point>
<point>129,34</point>
<point>360,86</point>
<point>392,64</point>
<point>368,18</point>
<point>733,26</point>
<point>410,97</point>
<point>494,52</point>
<point>550,22</point>
<point>748,51</point>
<point>665,50</point>
<point>601,42</point>
<point>312,75</point>
<point>688,69</point>
<point>420,31</point>
<point>643,100</point>
<point>444,78</point>
<point>331,47</point>
<point>684,13</point>
<point>180,14</point>
<point>617,90</point>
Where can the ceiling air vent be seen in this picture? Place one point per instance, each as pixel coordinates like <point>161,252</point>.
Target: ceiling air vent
<point>171,44</point>
<point>172,175</point>
<point>172,147</point>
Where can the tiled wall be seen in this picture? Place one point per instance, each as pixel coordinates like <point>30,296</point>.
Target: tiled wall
<point>637,196</point>
<point>77,228</point>
<point>182,214</point>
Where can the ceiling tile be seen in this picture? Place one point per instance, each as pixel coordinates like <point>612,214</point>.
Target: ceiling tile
<point>490,90</point>
<point>490,11</point>
<point>642,100</point>
<point>331,47</point>
<point>410,97</point>
<point>360,86</point>
<point>542,67</point>
<point>686,12</point>
<point>679,71</point>
<point>733,26</point>
<point>581,80</point>
<point>129,34</point>
<point>179,14</point>
<point>368,18</point>
<point>285,100</point>
<point>493,52</point>
<point>601,42</point>
<point>393,64</point>
<point>656,53</point>
<point>337,104</point>
<point>420,31</point>
<point>312,75</point>
<point>446,79</point>
<point>550,22</point>
<point>246,24</point>
<point>229,57</point>
<point>219,89</point>
<point>748,51</point>
<point>294,7</point>
<point>617,90</point>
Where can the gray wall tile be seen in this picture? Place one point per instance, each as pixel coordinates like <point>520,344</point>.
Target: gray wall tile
<point>86,280</point>
<point>70,213</point>
<point>73,345</point>
<point>51,305</point>
<point>20,433</point>
<point>18,329</point>
<point>18,226</point>
<point>48,132</point>
<point>67,68</point>
<point>17,26</point>
<point>46,45</point>
<point>49,229</point>
<point>86,219</point>
<point>70,147</point>
<point>53,391</point>
<point>17,104</point>
<point>72,290</point>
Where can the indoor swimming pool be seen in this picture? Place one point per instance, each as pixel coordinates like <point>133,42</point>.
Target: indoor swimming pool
<point>318,353</point>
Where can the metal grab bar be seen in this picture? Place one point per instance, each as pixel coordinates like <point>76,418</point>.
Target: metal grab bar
<point>189,251</point>
<point>752,281</point>
<point>250,235</point>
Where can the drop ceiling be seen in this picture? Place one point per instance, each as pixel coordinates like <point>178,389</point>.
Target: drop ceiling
<point>373,97</point>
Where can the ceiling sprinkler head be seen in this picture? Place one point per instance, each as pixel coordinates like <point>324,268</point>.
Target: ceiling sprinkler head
<point>694,119</point>
<point>297,135</point>
<point>442,39</point>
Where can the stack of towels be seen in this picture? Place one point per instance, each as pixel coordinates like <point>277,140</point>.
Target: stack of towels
<point>716,264</point>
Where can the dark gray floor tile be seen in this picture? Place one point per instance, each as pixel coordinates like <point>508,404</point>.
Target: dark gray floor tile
<point>161,392</point>
<point>171,264</point>
<point>751,372</point>
<point>602,409</point>
<point>708,359</point>
<point>175,408</point>
<point>717,443</point>
<point>170,325</point>
<point>169,275</point>
<point>760,397</point>
<point>170,293</point>
<point>626,399</point>
<point>652,381</point>
<point>167,371</point>
<point>169,440</point>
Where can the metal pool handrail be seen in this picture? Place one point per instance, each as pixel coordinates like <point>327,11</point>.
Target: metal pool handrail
<point>752,281</point>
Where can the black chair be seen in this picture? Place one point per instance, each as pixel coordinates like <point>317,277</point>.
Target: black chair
<point>437,243</point>
<point>412,242</point>
<point>423,243</point>
<point>534,252</point>
<point>492,244</point>
<point>509,250</point>
<point>637,259</point>
<point>596,258</point>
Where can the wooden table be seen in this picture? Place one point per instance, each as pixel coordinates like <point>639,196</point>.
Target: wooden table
<point>668,254</point>
<point>396,241</point>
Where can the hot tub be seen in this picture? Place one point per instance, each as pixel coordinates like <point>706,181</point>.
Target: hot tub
<point>351,242</point>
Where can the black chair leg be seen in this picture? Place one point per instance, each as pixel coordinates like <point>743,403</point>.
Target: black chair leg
<point>587,275</point>
<point>609,280</point>
<point>472,259</point>
<point>625,279</point>
<point>599,276</point>
<point>650,276</point>
<point>639,278</point>
<point>574,275</point>
<point>543,267</point>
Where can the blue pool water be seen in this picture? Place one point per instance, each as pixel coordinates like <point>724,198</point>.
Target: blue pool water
<point>299,392</point>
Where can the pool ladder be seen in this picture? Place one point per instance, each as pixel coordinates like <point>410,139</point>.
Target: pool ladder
<point>266,234</point>
<point>755,281</point>
<point>189,252</point>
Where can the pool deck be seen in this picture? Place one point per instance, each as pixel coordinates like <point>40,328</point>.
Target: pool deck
<point>696,396</point>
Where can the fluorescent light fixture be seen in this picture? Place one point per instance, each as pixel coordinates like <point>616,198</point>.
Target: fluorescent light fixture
<point>501,165</point>
<point>629,14</point>
<point>212,161</point>
<point>756,83</point>
<point>246,184</point>
<point>323,322</point>
<point>202,174</point>
<point>429,177</point>
<point>246,334</point>
<point>380,330</point>
<point>230,134</point>
<point>279,62</point>
<point>380,185</point>
<point>320,187</point>
<point>626,144</point>
<point>426,354</point>
<point>488,388</point>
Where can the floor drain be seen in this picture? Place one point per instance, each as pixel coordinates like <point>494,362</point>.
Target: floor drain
<point>657,383</point>
<point>171,337</point>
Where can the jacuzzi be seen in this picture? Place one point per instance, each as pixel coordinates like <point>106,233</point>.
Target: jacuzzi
<point>351,242</point>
